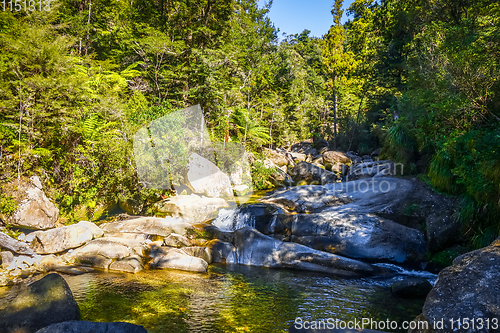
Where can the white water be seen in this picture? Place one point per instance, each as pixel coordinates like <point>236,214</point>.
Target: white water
<point>401,271</point>
<point>233,219</point>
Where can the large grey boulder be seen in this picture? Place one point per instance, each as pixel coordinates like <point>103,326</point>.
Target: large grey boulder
<point>149,226</point>
<point>355,218</point>
<point>192,207</point>
<point>35,210</point>
<point>361,236</point>
<point>255,249</point>
<point>207,179</point>
<point>307,172</point>
<point>42,303</point>
<point>65,238</point>
<point>470,288</point>
<point>74,326</point>
<point>173,258</point>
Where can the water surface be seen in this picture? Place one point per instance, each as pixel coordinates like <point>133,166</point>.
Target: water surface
<point>234,299</point>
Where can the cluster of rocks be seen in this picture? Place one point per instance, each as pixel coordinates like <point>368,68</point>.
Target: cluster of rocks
<point>307,165</point>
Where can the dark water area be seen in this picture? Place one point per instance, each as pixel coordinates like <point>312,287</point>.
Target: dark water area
<point>235,299</point>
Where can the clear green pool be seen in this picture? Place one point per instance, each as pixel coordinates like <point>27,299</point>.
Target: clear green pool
<point>234,299</point>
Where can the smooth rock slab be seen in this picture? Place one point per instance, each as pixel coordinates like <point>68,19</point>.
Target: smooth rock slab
<point>361,236</point>
<point>149,226</point>
<point>42,303</point>
<point>256,249</point>
<point>65,238</point>
<point>74,326</point>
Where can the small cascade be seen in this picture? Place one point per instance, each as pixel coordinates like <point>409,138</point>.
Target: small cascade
<point>412,273</point>
<point>233,219</point>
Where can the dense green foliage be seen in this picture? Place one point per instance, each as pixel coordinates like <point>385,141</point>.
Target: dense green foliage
<point>78,81</point>
<point>433,93</point>
<point>419,78</point>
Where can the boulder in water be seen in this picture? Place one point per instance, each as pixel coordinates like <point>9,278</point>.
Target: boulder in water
<point>411,288</point>
<point>166,257</point>
<point>42,303</point>
<point>470,288</point>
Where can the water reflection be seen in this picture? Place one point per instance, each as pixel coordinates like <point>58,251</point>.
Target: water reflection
<point>234,299</point>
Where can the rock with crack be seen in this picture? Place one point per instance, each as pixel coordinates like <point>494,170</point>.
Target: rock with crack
<point>14,245</point>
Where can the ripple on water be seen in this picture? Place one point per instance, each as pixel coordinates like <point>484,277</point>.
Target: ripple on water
<point>232,299</point>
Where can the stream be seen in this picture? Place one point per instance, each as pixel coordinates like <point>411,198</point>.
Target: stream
<point>236,298</point>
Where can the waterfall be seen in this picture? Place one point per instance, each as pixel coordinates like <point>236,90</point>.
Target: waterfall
<point>233,219</point>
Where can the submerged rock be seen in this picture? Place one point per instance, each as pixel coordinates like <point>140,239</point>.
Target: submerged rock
<point>74,326</point>
<point>411,288</point>
<point>256,249</point>
<point>44,302</point>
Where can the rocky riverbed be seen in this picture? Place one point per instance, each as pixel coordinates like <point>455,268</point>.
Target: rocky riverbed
<point>323,225</point>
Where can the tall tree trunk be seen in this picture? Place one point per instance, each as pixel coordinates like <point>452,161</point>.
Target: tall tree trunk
<point>88,28</point>
<point>334,116</point>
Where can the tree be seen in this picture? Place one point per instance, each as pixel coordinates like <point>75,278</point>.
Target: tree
<point>336,59</point>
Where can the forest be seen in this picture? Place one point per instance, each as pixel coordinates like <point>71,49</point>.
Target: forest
<point>417,78</point>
